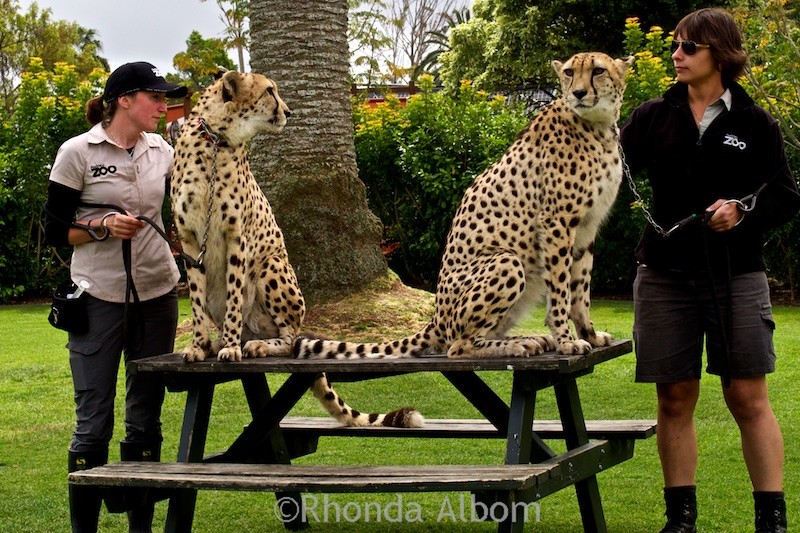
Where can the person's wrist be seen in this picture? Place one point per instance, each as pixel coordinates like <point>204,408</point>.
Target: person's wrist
<point>104,220</point>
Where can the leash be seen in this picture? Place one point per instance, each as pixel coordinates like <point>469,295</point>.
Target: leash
<point>745,204</point>
<point>100,237</point>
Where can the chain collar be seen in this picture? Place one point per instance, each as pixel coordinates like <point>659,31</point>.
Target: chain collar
<point>639,201</point>
<point>216,141</point>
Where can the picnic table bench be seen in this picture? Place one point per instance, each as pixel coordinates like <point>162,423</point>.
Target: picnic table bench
<point>259,459</point>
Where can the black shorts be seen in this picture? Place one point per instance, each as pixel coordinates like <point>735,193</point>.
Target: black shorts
<point>674,313</point>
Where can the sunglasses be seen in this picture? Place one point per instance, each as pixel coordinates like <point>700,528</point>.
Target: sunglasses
<point>689,47</point>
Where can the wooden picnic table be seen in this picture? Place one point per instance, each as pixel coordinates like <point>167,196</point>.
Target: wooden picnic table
<point>531,468</point>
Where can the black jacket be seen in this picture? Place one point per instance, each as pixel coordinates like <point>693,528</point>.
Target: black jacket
<point>741,150</point>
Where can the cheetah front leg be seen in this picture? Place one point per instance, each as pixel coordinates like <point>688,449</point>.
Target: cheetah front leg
<point>581,274</point>
<point>200,346</point>
<point>557,259</point>
<point>231,334</point>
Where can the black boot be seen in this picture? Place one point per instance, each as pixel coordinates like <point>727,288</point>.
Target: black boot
<point>84,502</point>
<point>681,509</point>
<point>770,512</point>
<point>140,513</point>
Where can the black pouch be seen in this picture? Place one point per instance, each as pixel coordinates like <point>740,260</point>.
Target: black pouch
<point>69,314</point>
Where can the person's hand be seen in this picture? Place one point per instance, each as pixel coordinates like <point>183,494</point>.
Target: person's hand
<point>725,215</point>
<point>122,226</point>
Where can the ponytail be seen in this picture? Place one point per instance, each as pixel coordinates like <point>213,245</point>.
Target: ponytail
<point>96,111</point>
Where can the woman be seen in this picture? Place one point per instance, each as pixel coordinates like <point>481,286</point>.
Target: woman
<point>703,144</point>
<point>117,162</point>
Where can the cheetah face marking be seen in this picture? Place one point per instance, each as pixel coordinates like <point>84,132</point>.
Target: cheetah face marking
<point>590,85</point>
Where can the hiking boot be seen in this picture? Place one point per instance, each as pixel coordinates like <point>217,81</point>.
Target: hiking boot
<point>681,509</point>
<point>140,508</point>
<point>770,512</point>
<point>85,501</point>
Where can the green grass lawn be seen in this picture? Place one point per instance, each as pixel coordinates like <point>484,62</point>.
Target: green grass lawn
<point>36,421</point>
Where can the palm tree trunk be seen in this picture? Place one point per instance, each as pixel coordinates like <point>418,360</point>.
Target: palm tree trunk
<point>309,172</point>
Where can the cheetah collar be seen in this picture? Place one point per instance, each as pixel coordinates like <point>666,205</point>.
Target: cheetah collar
<point>209,135</point>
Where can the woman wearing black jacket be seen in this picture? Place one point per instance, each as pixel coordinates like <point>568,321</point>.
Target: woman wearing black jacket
<point>703,144</point>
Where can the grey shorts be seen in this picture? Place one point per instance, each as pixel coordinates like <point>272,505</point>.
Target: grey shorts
<point>674,313</point>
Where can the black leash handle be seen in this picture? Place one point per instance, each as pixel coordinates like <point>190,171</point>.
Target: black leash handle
<point>172,244</point>
<point>195,263</point>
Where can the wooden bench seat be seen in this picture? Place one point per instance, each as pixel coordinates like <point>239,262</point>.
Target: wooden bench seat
<point>304,478</point>
<point>535,480</point>
<point>464,428</point>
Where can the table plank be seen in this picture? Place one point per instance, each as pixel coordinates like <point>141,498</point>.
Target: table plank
<point>548,362</point>
<point>228,476</point>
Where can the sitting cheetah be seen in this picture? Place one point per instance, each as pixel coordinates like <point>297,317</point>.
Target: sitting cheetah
<point>245,284</point>
<point>525,228</point>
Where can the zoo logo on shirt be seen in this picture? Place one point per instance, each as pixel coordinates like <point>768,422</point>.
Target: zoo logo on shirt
<point>733,140</point>
<point>102,170</point>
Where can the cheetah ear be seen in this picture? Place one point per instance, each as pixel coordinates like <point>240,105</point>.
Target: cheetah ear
<point>230,85</point>
<point>624,64</point>
<point>220,72</point>
<point>558,65</point>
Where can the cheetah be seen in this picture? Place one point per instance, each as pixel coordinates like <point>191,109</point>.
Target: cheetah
<point>245,285</point>
<point>524,230</point>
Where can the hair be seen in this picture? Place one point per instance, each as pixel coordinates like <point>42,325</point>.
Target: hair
<point>98,111</point>
<point>717,28</point>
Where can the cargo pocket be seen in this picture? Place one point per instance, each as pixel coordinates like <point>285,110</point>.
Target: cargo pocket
<point>82,362</point>
<point>766,316</point>
<point>769,329</point>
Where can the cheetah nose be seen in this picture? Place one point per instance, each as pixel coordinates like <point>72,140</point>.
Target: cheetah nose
<point>287,113</point>
<point>580,93</point>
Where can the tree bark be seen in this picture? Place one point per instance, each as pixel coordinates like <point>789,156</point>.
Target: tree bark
<point>309,172</point>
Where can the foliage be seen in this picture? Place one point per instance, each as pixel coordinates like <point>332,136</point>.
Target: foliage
<point>510,43</point>
<point>396,42</point>
<point>34,34</point>
<point>650,75</point>
<point>49,110</point>
<point>772,39</point>
<point>200,62</point>
<point>235,14</point>
<point>366,38</point>
<point>418,160</point>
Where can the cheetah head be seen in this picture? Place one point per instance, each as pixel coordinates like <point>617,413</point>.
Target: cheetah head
<point>592,85</point>
<point>240,105</point>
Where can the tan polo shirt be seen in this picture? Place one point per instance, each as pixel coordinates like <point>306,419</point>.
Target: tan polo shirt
<point>106,173</point>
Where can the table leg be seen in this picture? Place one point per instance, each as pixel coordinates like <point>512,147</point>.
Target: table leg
<point>246,447</point>
<point>573,421</point>
<point>256,390</point>
<point>481,396</point>
<point>519,439</point>
<point>190,448</point>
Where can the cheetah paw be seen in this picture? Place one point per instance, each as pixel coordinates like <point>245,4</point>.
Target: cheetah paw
<point>194,353</point>
<point>230,353</point>
<point>600,338</point>
<point>547,342</point>
<point>267,348</point>
<point>574,347</point>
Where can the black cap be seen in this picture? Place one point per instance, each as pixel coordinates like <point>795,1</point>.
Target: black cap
<point>139,76</point>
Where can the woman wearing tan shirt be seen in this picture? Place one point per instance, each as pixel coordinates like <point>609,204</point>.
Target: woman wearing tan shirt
<point>117,162</point>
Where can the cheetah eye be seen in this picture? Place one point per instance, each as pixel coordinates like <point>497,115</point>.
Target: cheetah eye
<point>569,72</point>
<point>598,71</point>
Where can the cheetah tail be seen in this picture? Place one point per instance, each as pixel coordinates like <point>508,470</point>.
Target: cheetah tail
<point>310,347</point>
<point>405,417</point>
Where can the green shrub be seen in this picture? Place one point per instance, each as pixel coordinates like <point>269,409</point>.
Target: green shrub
<point>49,110</point>
<point>417,160</point>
